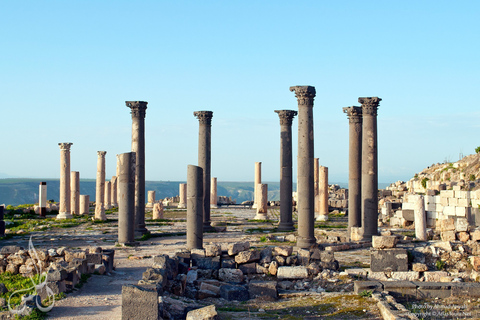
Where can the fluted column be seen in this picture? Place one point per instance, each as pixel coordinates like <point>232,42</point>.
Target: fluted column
<point>369,167</point>
<point>257,181</point>
<point>286,177</point>
<point>64,210</point>
<point>354,115</point>
<point>306,192</point>
<point>213,193</point>
<point>138,110</point>
<point>100,187</point>
<point>204,160</point>
<point>75,192</point>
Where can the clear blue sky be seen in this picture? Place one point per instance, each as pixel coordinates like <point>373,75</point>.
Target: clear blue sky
<point>67,68</point>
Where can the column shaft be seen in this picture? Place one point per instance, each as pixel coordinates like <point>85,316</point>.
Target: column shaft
<point>182,191</point>
<point>75,192</point>
<point>114,191</point>
<point>100,187</point>
<point>42,201</point>
<point>195,207</point>
<point>84,204</point>
<point>213,193</point>
<point>108,195</point>
<point>322,193</point>
<point>64,210</point>
<point>126,200</point>
<point>420,219</point>
<point>257,181</point>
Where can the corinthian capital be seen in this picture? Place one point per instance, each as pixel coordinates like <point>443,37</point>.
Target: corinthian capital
<point>354,114</point>
<point>304,94</point>
<point>369,105</point>
<point>65,145</point>
<point>101,154</point>
<point>204,117</point>
<point>286,116</point>
<point>138,108</point>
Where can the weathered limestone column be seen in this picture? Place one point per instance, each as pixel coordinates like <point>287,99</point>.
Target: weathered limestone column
<point>84,204</point>
<point>157,211</point>
<point>257,181</point>
<point>316,165</point>
<point>100,187</point>
<point>204,160</point>
<point>114,191</point>
<point>286,177</point>
<point>420,219</point>
<point>195,207</point>
<point>305,189</point>
<point>138,110</point>
<point>262,202</point>
<point>117,174</point>
<point>213,193</point>
<point>108,195</point>
<point>42,198</point>
<point>182,191</point>
<point>75,192</point>
<point>64,210</point>
<point>354,115</point>
<point>151,198</point>
<point>126,200</point>
<point>369,167</point>
<point>322,193</point>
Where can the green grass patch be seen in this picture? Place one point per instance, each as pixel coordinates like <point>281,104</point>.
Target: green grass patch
<point>333,226</point>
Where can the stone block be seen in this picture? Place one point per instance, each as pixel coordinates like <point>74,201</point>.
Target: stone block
<point>405,276</point>
<point>475,235</point>
<point>400,289</point>
<point>460,211</point>
<point>205,313</point>
<point>90,268</point>
<point>194,254</point>
<point>262,289</point>
<point>139,303</point>
<point>56,287</point>
<point>444,201</point>
<point>463,203</point>
<point>73,278</point>
<point>466,289</point>
<point>247,256</point>
<point>210,287</point>
<point>447,235</point>
<point>475,262</point>
<point>234,292</point>
<point>461,225</point>
<point>284,251</point>
<point>248,268</point>
<point>95,258</point>
<point>383,242</point>
<point>273,268</point>
<point>463,236</point>
<point>228,263</point>
<point>207,263</point>
<point>56,275</point>
<point>299,272</point>
<point>449,210</point>
<point>407,214</point>
<point>192,276</point>
<point>408,206</point>
<point>461,194</point>
<point>234,248</point>
<point>452,202</point>
<point>230,275</point>
<point>100,269</point>
<point>360,286</point>
<point>389,260</point>
<point>419,267</point>
<point>447,193</point>
<point>213,250</point>
<point>434,276</point>
<point>327,256</point>
<point>80,265</point>
<point>446,224</point>
<point>432,290</point>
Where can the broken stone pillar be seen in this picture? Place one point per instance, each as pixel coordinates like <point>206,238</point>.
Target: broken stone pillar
<point>75,192</point>
<point>108,195</point>
<point>182,191</point>
<point>151,198</point>
<point>286,177</point>
<point>42,198</point>
<point>256,182</point>
<point>64,210</point>
<point>262,202</point>
<point>100,187</point>
<point>322,193</point>
<point>138,111</point>
<point>204,160</point>
<point>369,167</point>
<point>157,211</point>
<point>113,182</point>
<point>195,207</point>
<point>420,219</point>
<point>354,115</point>
<point>84,204</point>
<point>213,194</point>
<point>126,200</point>
<point>305,189</point>
<point>316,165</point>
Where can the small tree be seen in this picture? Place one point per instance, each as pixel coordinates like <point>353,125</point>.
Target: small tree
<point>477,149</point>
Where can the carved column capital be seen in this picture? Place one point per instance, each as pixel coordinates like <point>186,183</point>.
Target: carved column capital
<point>354,114</point>
<point>101,154</point>
<point>304,94</point>
<point>286,116</point>
<point>204,117</point>
<point>65,145</point>
<point>138,108</point>
<point>369,105</point>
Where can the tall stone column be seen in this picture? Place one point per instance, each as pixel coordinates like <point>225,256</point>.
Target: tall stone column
<point>213,193</point>
<point>108,195</point>
<point>100,187</point>
<point>322,194</point>
<point>420,219</point>
<point>182,191</point>
<point>114,191</point>
<point>257,182</point>
<point>369,167</point>
<point>84,204</point>
<point>75,192</point>
<point>204,160</point>
<point>195,207</point>
<point>126,200</point>
<point>316,165</point>
<point>42,199</point>
<point>138,110</point>
<point>262,202</point>
<point>305,188</point>
<point>286,177</point>
<point>64,210</point>
<point>354,115</point>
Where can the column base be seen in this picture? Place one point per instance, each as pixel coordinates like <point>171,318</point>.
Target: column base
<point>181,206</point>
<point>286,226</point>
<point>321,217</point>
<point>140,230</point>
<point>306,243</point>
<point>64,215</point>
<point>261,216</point>
<point>213,206</point>
<point>207,227</point>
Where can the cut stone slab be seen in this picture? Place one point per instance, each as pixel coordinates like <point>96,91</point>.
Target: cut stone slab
<point>262,289</point>
<point>400,289</point>
<point>389,260</point>
<point>230,275</point>
<point>299,272</point>
<point>213,250</point>
<point>466,289</point>
<point>248,268</point>
<point>284,251</point>
<point>234,248</point>
<point>327,256</point>
<point>205,313</point>
<point>420,267</point>
<point>447,235</point>
<point>232,292</point>
<point>139,303</point>
<point>384,242</point>
<point>434,276</point>
<point>247,256</point>
<point>433,290</point>
<point>360,286</point>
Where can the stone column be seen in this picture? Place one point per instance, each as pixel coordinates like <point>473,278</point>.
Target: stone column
<point>42,199</point>
<point>195,207</point>
<point>114,191</point>
<point>75,192</point>
<point>420,219</point>
<point>108,195</point>
<point>151,198</point>
<point>100,187</point>
<point>126,200</point>
<point>117,173</point>
<point>257,181</point>
<point>286,177</point>
<point>138,110</point>
<point>204,161</point>
<point>354,115</point>
<point>369,167</point>
<point>64,210</point>
<point>157,211</point>
<point>213,194</point>
<point>305,189</point>
<point>322,193</point>
<point>316,165</point>
<point>262,202</point>
<point>182,191</point>
<point>84,204</point>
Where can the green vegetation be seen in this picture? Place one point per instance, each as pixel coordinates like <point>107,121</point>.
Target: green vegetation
<point>472,177</point>
<point>424,182</point>
<point>440,264</point>
<point>477,149</point>
<point>263,239</point>
<point>330,226</point>
<point>366,293</point>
